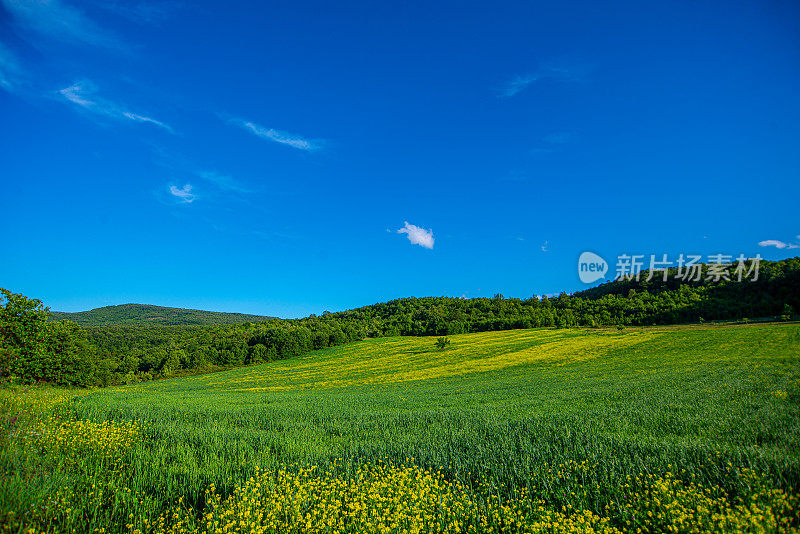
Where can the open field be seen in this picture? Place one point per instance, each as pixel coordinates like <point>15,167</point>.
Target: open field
<point>526,429</point>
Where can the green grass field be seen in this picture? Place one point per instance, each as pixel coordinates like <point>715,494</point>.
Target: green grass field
<point>564,419</point>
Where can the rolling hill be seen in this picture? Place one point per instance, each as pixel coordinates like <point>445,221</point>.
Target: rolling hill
<point>143,314</point>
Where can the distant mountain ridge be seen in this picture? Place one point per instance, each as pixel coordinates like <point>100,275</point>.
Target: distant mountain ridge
<point>143,314</point>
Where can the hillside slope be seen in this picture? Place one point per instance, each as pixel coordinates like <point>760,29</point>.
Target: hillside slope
<point>143,314</point>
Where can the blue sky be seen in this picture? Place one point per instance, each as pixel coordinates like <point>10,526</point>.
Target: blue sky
<point>288,158</point>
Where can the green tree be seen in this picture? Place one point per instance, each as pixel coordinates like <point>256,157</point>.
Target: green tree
<point>23,330</point>
<point>259,353</point>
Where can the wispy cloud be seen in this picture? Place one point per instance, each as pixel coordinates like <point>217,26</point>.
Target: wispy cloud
<point>54,19</point>
<point>518,84</point>
<point>223,181</point>
<point>184,194</point>
<point>140,118</point>
<point>550,71</point>
<point>277,136</point>
<point>546,246</point>
<point>75,94</point>
<point>417,236</point>
<point>777,244</point>
<point>82,94</point>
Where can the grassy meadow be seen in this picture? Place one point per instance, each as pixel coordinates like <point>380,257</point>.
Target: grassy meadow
<point>662,429</point>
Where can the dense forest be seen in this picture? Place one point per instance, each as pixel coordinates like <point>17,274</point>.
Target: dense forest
<point>33,348</point>
<point>137,314</point>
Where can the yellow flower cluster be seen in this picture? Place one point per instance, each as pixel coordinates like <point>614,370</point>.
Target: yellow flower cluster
<point>384,498</point>
<point>667,504</point>
<point>378,498</point>
<point>81,438</point>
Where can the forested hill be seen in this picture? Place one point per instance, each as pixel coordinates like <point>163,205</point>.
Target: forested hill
<point>144,314</point>
<point>146,342</point>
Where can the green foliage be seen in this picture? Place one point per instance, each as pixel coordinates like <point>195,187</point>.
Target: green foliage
<point>35,350</point>
<point>138,314</point>
<point>23,331</point>
<point>442,343</point>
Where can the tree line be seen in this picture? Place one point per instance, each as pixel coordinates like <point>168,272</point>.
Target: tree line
<point>33,349</point>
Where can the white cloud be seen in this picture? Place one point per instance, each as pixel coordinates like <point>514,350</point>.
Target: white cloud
<point>552,71</point>
<point>546,246</point>
<point>141,118</point>
<point>277,136</point>
<point>518,84</point>
<point>184,194</point>
<point>223,181</point>
<point>82,93</point>
<point>418,236</point>
<point>56,20</point>
<point>75,94</point>
<point>777,244</point>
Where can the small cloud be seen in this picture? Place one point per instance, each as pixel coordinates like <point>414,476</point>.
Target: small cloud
<point>417,236</point>
<point>551,71</point>
<point>223,181</point>
<point>772,243</point>
<point>777,244</point>
<point>277,136</point>
<point>82,93</point>
<point>546,246</point>
<point>518,84</point>
<point>184,194</point>
<point>141,118</point>
<point>75,94</point>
